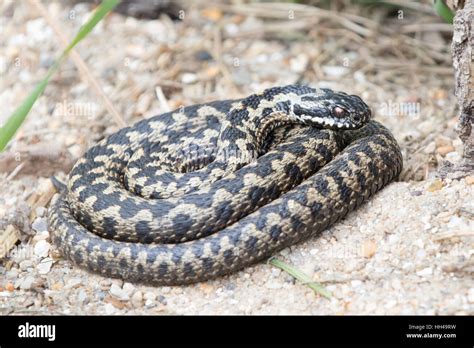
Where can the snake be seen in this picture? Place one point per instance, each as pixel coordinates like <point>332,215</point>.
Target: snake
<point>209,189</point>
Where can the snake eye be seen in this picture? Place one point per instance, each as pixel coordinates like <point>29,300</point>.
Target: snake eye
<point>340,112</point>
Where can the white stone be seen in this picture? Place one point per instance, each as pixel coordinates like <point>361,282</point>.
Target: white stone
<point>40,225</point>
<point>137,299</point>
<point>12,274</point>
<point>188,78</point>
<point>425,272</point>
<point>45,265</point>
<point>335,71</point>
<point>109,309</point>
<point>456,222</point>
<point>421,254</point>
<point>150,296</point>
<point>419,243</point>
<point>27,282</point>
<point>118,293</point>
<point>40,211</point>
<point>25,264</point>
<point>41,236</point>
<point>298,64</point>
<point>390,304</point>
<point>128,288</point>
<point>42,248</point>
<point>81,296</point>
<point>273,285</point>
<point>453,157</point>
<point>231,29</point>
<point>149,303</point>
<point>430,148</point>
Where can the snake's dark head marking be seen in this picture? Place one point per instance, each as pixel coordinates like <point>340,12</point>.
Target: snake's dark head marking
<point>329,109</point>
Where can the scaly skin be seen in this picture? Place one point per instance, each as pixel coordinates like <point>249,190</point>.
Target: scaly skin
<point>241,206</point>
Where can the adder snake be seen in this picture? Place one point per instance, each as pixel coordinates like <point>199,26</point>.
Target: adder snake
<point>209,189</point>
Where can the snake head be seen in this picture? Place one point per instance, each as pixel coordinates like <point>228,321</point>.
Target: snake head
<point>329,109</point>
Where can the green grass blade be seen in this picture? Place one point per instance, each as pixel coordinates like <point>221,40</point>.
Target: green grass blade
<point>8,130</point>
<point>443,11</point>
<point>301,276</point>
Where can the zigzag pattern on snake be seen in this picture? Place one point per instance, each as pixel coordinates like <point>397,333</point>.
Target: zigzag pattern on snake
<point>209,189</point>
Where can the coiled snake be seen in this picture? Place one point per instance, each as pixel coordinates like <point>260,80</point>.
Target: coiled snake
<point>209,189</point>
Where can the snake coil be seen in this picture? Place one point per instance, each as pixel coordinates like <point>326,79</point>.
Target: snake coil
<point>204,191</point>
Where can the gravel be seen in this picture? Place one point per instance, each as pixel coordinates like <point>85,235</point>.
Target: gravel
<point>409,250</point>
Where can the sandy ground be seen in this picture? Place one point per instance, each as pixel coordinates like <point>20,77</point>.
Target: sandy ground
<point>407,251</point>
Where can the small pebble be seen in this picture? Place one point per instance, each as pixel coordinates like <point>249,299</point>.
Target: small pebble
<point>25,264</point>
<point>335,71</point>
<point>162,299</point>
<point>206,288</point>
<point>40,224</point>
<point>421,254</point>
<point>456,223</point>
<point>109,309</point>
<point>128,288</point>
<point>430,148</point>
<point>212,13</point>
<point>299,63</point>
<point>45,265</point>
<point>369,248</point>
<point>12,274</point>
<point>57,286</point>
<point>273,285</point>
<point>137,299</point>
<point>40,236</point>
<point>453,157</point>
<point>188,78</point>
<point>149,303</point>
<point>425,272</point>
<point>396,284</point>
<point>27,282</point>
<point>150,296</point>
<point>313,252</point>
<point>419,243</point>
<point>469,180</point>
<point>81,296</point>
<point>75,150</point>
<point>40,211</point>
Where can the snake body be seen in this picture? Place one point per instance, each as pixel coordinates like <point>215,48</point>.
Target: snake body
<point>209,189</point>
